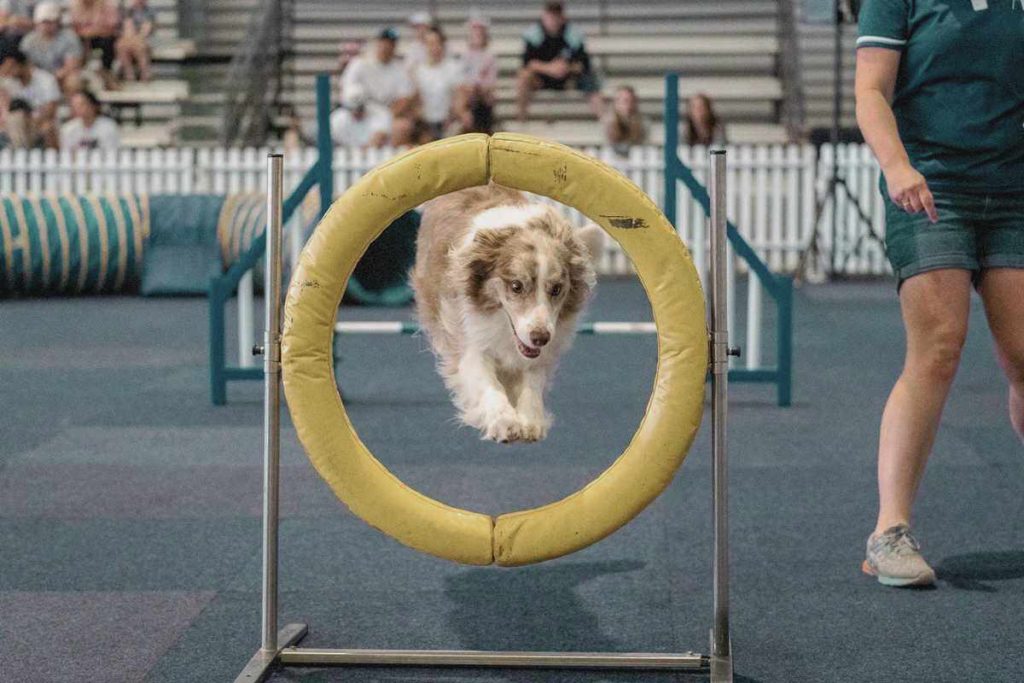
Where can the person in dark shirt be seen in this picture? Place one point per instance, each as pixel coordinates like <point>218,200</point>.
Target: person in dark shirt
<point>554,54</point>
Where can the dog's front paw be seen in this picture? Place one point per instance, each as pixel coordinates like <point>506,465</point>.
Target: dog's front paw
<point>505,428</point>
<point>534,430</point>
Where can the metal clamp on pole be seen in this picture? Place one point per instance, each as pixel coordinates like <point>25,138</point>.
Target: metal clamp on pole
<point>721,648</point>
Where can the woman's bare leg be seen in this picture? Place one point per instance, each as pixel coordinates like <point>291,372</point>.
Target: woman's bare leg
<point>1002,290</point>
<point>935,305</point>
<point>143,60</point>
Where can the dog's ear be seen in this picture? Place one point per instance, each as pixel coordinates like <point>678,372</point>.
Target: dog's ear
<point>585,248</point>
<point>592,236</point>
<point>477,261</point>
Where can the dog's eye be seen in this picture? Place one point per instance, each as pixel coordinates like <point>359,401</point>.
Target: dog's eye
<point>516,286</point>
<point>556,290</point>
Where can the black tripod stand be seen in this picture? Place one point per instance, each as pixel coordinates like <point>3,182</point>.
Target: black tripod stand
<point>845,11</point>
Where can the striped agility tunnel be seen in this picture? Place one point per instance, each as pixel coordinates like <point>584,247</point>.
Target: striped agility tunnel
<point>159,245</point>
<point>71,244</point>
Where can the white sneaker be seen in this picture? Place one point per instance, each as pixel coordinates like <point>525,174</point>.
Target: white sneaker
<point>894,556</point>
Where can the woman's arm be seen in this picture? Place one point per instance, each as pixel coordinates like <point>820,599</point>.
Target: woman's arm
<point>488,77</point>
<point>876,80</point>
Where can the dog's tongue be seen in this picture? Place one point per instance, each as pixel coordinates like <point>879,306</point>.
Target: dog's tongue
<point>526,350</point>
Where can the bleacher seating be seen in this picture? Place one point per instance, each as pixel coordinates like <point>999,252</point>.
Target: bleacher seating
<point>817,45</point>
<point>728,49</point>
<point>149,112</point>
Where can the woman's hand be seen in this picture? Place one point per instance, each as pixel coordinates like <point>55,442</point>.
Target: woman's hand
<point>877,69</point>
<point>909,190</point>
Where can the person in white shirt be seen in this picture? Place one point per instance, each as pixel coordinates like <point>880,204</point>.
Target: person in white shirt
<point>352,127</point>
<point>87,129</point>
<point>416,50</point>
<point>54,49</point>
<point>382,79</point>
<point>440,84</point>
<point>37,88</point>
<point>348,52</point>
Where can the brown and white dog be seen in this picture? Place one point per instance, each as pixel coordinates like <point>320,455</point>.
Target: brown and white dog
<point>499,283</point>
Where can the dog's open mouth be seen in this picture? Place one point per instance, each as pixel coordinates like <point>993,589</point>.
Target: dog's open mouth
<point>527,351</point>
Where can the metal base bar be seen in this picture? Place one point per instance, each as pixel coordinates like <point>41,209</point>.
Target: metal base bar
<point>263,661</point>
<point>480,658</point>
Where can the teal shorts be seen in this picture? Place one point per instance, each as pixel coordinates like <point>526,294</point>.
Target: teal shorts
<point>974,232</point>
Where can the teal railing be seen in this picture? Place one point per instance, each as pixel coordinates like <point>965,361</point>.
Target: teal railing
<point>779,287</point>
<point>223,287</point>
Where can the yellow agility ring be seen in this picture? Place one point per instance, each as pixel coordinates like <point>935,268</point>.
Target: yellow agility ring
<point>663,265</point>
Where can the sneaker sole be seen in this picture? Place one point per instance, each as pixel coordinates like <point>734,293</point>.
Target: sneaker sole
<point>923,579</point>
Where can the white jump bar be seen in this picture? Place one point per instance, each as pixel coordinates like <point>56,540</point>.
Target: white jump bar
<point>399,327</point>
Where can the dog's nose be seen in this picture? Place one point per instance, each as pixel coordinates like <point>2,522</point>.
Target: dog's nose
<point>540,337</point>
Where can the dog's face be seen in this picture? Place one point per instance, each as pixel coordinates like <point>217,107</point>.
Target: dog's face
<point>537,269</point>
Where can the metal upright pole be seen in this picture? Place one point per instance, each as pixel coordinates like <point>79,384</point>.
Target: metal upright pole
<point>721,651</point>
<point>834,133</point>
<point>272,399</point>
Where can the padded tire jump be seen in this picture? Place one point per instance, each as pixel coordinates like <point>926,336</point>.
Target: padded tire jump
<point>664,267</point>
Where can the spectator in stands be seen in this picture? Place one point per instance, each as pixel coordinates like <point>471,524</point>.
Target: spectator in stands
<point>624,125</point>
<point>87,129</point>
<point>439,83</point>
<point>53,48</point>
<point>97,23</point>
<point>416,50</point>
<point>352,127</point>
<point>38,89</point>
<point>5,106</point>
<point>16,129</point>
<point>133,45</point>
<point>383,83</point>
<point>481,75</point>
<point>554,54</point>
<point>16,21</point>
<point>702,124</point>
<point>348,51</point>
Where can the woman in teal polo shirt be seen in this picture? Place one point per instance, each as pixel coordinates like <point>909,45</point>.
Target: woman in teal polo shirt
<point>940,99</point>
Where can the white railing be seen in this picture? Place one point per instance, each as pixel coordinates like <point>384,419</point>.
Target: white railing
<point>773,189</point>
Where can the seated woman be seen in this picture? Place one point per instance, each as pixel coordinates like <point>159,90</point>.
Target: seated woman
<point>480,68</point>
<point>702,124</point>
<point>87,129</point>
<point>97,23</point>
<point>439,82</point>
<point>133,45</point>
<point>624,125</point>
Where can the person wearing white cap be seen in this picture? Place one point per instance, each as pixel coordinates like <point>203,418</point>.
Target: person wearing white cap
<point>353,126</point>
<point>53,48</point>
<point>416,49</point>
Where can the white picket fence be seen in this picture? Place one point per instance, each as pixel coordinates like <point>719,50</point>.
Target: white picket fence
<point>773,190</point>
